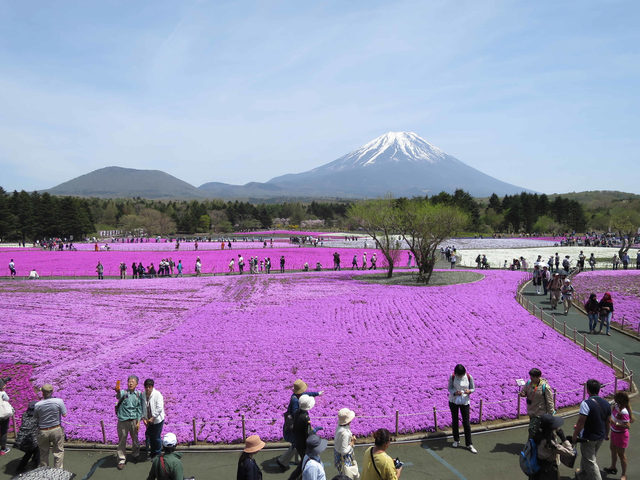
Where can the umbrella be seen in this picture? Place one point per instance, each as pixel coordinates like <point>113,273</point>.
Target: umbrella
<point>563,272</point>
<point>45,473</point>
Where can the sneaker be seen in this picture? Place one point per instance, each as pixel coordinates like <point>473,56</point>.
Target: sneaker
<point>5,451</point>
<point>120,466</point>
<point>455,444</point>
<point>472,449</point>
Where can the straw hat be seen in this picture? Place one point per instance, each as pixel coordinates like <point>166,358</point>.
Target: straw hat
<point>345,416</point>
<point>307,402</point>
<point>253,444</point>
<point>299,387</point>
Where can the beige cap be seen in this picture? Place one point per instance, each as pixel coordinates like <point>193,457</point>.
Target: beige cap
<point>47,387</point>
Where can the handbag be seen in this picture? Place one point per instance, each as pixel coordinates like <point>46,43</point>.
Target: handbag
<point>351,471</point>
<point>6,410</point>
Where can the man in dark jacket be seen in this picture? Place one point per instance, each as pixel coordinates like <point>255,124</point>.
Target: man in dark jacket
<point>27,440</point>
<point>167,465</point>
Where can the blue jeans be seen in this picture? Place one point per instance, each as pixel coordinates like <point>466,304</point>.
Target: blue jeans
<point>603,320</point>
<point>152,439</point>
<point>593,321</point>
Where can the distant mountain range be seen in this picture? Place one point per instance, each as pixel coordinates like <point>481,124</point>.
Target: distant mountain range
<point>399,162</point>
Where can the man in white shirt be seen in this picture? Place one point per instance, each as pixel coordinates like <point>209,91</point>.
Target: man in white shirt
<point>33,274</point>
<point>153,418</point>
<point>12,268</point>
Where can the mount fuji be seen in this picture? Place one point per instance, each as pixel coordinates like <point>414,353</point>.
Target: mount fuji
<point>399,162</point>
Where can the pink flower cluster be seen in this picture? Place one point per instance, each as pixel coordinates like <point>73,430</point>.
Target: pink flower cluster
<point>220,347</point>
<point>624,287</point>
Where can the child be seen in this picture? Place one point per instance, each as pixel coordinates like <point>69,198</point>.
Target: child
<point>621,417</point>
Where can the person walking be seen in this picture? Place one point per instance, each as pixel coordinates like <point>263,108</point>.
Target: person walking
<point>179,267</point>
<point>302,430</point>
<point>248,469</point>
<point>555,287</point>
<point>240,264</point>
<point>129,411</point>
<point>377,464</point>
<point>4,423</point>
<point>460,386</point>
<point>592,262</point>
<point>123,270</point>
<point>605,311</point>
<point>593,425</point>
<point>12,268</point>
<point>539,399</point>
<point>299,389</point>
<point>167,465</point>
<point>27,439</point>
<point>409,260</point>
<point>48,413</point>
<point>567,295</point>
<point>621,419</point>
<point>354,263</point>
<point>282,261</point>
<point>100,270</point>
<point>364,261</point>
<point>453,258</point>
<point>153,418</point>
<point>134,270</point>
<point>313,468</point>
<point>592,307</point>
<point>537,282</point>
<point>343,444</point>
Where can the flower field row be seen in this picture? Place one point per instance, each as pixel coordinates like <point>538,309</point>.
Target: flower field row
<point>219,347</point>
<point>83,263</point>
<point>624,286</point>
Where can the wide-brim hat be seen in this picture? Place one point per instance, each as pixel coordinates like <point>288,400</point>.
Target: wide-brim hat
<point>345,416</point>
<point>299,387</point>
<point>253,444</point>
<point>307,402</point>
<point>316,445</point>
<point>550,421</point>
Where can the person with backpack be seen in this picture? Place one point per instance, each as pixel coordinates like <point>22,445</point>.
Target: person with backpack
<point>567,295</point>
<point>539,399</point>
<point>460,386</point>
<point>299,389</point>
<point>621,418</point>
<point>551,444</point>
<point>555,286</point>
<point>591,430</point>
<point>27,439</point>
<point>248,469</point>
<point>167,465</point>
<point>129,411</point>
<point>566,264</point>
<point>605,307</point>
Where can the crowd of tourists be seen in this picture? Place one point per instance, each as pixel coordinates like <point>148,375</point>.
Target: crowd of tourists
<point>41,433</point>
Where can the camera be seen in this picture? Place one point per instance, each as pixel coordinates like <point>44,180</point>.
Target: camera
<point>397,463</point>
<point>528,402</point>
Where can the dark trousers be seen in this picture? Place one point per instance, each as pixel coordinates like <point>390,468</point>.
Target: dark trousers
<point>464,410</point>
<point>301,449</point>
<point>4,428</point>
<point>152,439</point>
<point>22,466</point>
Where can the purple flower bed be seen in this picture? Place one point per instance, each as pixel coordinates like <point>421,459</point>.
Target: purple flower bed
<point>19,389</point>
<point>624,286</point>
<point>220,347</point>
<point>83,263</point>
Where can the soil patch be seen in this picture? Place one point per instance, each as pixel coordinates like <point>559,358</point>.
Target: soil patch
<point>410,279</point>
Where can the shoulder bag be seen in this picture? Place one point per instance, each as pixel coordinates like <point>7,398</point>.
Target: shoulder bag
<point>6,410</point>
<point>374,463</point>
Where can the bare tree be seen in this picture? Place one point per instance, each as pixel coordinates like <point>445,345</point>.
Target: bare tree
<point>625,221</point>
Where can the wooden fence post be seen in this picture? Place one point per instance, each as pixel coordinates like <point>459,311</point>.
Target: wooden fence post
<point>631,380</point>
<point>622,327</point>
<point>435,419</point>
<point>623,368</point>
<point>553,321</point>
<point>480,413</point>
<point>564,331</point>
<point>639,329</point>
<point>598,350</point>
<point>615,385</point>
<point>104,433</point>
<point>397,422</point>
<point>584,342</point>
<point>611,359</point>
<point>518,400</point>
<point>244,431</point>
<point>555,395</point>
<point>195,435</point>
<point>584,392</point>
<point>15,427</point>
<point>575,335</point>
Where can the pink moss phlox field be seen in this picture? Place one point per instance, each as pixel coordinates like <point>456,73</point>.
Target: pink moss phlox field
<point>624,286</point>
<point>220,347</point>
<point>83,263</point>
<point>19,389</point>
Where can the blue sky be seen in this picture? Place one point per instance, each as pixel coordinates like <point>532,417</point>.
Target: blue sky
<point>541,94</point>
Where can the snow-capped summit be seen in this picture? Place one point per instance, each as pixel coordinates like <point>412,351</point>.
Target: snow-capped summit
<point>392,147</point>
<point>399,162</point>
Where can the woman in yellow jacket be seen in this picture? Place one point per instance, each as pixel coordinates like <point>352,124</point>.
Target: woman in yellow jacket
<point>377,465</point>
